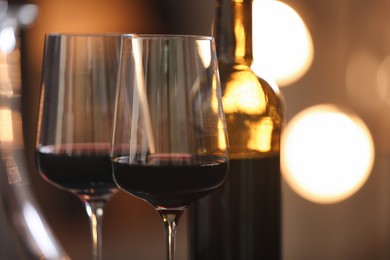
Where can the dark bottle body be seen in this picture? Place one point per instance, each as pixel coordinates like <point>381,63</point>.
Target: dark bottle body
<point>242,219</point>
<point>231,224</point>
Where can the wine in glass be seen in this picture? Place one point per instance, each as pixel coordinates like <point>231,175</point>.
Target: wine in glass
<point>169,141</point>
<point>75,119</point>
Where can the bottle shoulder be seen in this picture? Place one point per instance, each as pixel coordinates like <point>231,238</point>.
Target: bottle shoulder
<point>254,112</point>
<point>246,92</point>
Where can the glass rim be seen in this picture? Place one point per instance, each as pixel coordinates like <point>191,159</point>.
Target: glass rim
<point>71,34</point>
<point>152,36</point>
<point>130,35</point>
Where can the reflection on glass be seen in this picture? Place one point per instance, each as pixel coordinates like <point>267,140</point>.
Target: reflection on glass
<point>7,39</point>
<point>6,134</point>
<point>204,56</point>
<point>38,233</point>
<point>327,154</point>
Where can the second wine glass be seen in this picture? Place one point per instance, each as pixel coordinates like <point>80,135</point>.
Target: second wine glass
<point>75,119</point>
<point>169,142</point>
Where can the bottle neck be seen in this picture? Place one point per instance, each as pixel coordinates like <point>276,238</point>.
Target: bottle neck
<point>233,31</point>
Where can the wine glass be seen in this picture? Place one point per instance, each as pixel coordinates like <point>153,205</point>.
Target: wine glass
<point>169,140</point>
<point>75,119</point>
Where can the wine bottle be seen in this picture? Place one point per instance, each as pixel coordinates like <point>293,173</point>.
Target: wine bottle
<point>242,220</point>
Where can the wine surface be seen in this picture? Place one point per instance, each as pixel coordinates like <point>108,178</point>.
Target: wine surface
<point>81,168</point>
<point>170,181</point>
<point>240,220</point>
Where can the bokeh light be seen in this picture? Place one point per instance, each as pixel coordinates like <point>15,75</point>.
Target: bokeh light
<point>327,153</point>
<point>282,44</point>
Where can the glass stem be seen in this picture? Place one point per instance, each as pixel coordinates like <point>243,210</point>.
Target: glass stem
<point>171,219</point>
<point>95,209</point>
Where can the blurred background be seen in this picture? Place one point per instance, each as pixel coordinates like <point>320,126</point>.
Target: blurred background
<point>331,61</point>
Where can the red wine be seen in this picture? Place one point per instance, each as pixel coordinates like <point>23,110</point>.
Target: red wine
<point>240,220</point>
<point>82,168</point>
<point>170,180</point>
